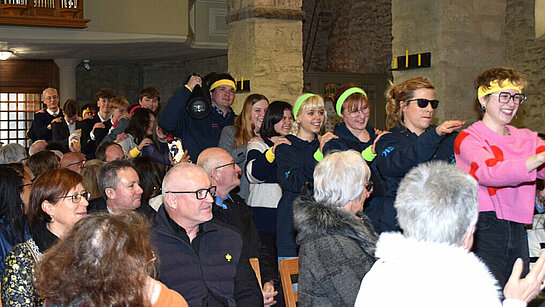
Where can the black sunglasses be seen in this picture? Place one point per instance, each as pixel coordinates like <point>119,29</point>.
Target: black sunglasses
<point>423,103</point>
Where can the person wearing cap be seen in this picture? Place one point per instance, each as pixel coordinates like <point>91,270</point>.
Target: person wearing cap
<point>199,134</point>
<point>506,162</point>
<point>354,132</point>
<point>295,165</point>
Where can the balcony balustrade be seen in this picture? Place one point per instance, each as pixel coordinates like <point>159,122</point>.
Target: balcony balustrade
<point>43,13</point>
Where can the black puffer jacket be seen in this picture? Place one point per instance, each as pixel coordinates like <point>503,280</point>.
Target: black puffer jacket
<point>336,250</point>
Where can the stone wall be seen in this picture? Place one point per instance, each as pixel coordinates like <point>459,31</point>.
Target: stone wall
<point>352,36</point>
<point>526,53</point>
<point>128,79</point>
<point>464,37</point>
<point>265,47</point>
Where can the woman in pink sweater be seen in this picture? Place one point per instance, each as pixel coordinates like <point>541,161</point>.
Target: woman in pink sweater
<point>506,162</point>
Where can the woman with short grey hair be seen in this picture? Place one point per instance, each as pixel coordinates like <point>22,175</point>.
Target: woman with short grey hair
<point>336,245</point>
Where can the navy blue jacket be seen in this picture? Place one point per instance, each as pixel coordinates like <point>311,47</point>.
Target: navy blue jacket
<point>400,151</point>
<point>220,267</point>
<point>38,130</point>
<point>196,135</point>
<point>347,141</point>
<point>295,166</point>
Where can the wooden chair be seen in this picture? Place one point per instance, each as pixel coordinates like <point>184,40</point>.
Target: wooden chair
<point>288,268</point>
<point>254,262</point>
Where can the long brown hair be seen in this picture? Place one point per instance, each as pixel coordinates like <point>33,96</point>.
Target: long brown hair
<point>243,122</point>
<point>402,92</point>
<point>104,259</point>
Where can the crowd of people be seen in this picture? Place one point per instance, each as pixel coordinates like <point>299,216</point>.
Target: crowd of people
<point>101,212</point>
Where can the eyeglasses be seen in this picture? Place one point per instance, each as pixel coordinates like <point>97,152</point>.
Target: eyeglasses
<point>504,97</point>
<point>224,165</point>
<point>354,113</point>
<point>369,186</point>
<point>200,193</point>
<point>423,103</point>
<point>76,198</point>
<point>81,164</point>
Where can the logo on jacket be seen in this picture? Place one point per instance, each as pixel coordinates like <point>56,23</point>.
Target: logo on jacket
<point>287,173</point>
<point>388,150</point>
<point>228,257</point>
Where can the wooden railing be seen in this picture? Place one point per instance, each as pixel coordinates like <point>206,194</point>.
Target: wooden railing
<point>43,13</point>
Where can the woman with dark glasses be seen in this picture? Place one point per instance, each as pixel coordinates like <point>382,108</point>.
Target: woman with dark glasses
<point>506,162</point>
<point>413,140</point>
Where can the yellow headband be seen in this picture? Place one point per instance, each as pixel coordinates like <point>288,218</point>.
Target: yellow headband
<point>223,82</point>
<point>299,102</point>
<point>345,95</point>
<point>495,86</point>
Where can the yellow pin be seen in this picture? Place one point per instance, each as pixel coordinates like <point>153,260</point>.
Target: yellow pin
<point>228,257</point>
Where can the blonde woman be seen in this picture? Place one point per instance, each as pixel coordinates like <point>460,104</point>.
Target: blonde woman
<point>295,165</point>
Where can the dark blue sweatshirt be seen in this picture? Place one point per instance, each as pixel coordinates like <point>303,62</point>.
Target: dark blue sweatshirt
<point>397,153</point>
<point>295,166</point>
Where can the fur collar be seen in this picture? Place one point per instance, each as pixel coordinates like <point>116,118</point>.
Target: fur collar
<point>314,219</point>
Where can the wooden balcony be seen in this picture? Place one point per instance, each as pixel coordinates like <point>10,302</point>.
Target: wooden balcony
<point>43,13</point>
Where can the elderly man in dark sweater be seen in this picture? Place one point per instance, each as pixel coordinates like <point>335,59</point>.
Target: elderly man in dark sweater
<point>231,209</point>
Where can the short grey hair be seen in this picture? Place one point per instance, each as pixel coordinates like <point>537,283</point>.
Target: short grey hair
<point>13,152</point>
<point>176,174</point>
<point>437,202</point>
<point>340,177</point>
<point>47,89</point>
<point>107,176</point>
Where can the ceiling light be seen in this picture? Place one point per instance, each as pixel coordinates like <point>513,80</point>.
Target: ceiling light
<point>5,54</point>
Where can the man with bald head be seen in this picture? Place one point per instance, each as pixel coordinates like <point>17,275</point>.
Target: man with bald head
<point>41,126</point>
<point>73,161</point>
<point>231,209</point>
<point>201,259</point>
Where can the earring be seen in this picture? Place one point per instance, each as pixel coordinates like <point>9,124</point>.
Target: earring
<point>483,108</point>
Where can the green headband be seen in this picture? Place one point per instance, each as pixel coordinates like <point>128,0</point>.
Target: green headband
<point>299,101</point>
<point>345,95</point>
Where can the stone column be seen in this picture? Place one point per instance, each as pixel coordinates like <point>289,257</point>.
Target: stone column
<point>67,78</point>
<point>265,47</point>
<point>465,37</point>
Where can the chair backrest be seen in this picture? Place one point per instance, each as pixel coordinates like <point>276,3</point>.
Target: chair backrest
<point>254,262</point>
<point>288,268</point>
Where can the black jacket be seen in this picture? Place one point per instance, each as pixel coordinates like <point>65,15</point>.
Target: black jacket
<point>336,251</point>
<point>61,133</point>
<point>219,268</point>
<point>238,216</point>
<point>88,146</point>
<point>38,130</point>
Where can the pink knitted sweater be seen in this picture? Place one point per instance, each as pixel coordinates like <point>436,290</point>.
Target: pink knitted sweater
<point>498,163</point>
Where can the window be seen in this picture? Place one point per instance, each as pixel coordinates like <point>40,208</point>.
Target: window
<point>16,116</point>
